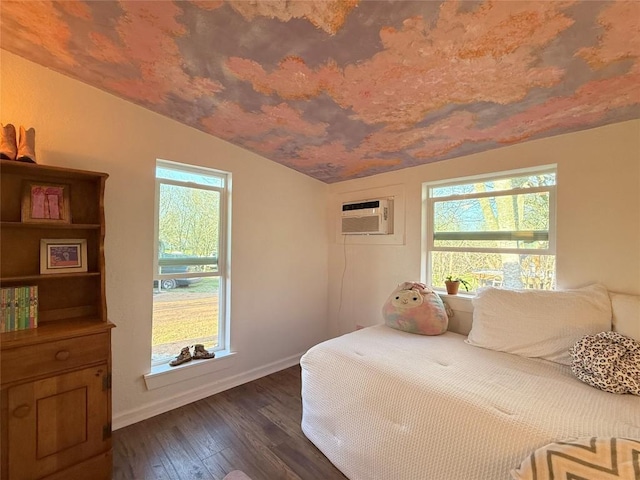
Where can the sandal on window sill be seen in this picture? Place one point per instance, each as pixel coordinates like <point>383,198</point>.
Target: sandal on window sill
<point>185,356</point>
<point>199,352</point>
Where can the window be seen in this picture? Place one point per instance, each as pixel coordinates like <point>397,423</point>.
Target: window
<point>495,231</point>
<point>190,274</point>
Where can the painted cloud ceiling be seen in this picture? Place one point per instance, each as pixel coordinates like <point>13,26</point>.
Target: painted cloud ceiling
<point>339,89</point>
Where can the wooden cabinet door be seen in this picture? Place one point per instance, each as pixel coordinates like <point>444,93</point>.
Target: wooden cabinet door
<point>57,422</point>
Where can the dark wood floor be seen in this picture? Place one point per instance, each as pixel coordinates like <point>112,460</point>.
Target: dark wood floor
<point>254,428</point>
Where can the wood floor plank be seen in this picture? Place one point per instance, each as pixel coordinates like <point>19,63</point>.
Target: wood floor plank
<point>286,396</point>
<point>249,443</point>
<point>184,460</point>
<point>139,455</point>
<point>224,462</point>
<point>290,425</point>
<point>214,423</point>
<point>240,457</point>
<point>250,420</point>
<point>254,428</point>
<point>203,441</point>
<point>130,461</point>
<point>306,463</point>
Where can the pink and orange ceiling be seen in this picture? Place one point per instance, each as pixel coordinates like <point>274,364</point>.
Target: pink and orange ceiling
<point>339,89</point>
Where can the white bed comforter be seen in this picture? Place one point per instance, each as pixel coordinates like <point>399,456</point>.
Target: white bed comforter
<point>384,404</point>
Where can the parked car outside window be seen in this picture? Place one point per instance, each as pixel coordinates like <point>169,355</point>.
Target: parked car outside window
<point>170,283</point>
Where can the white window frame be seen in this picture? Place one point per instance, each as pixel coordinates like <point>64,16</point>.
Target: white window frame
<point>428,213</point>
<point>222,262</point>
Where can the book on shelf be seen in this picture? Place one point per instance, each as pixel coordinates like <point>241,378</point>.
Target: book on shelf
<point>18,308</point>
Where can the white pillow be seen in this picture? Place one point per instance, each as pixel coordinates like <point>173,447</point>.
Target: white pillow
<point>538,323</point>
<point>626,314</point>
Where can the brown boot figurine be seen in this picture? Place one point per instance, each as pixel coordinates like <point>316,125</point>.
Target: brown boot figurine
<point>8,146</point>
<point>27,145</point>
<point>200,353</point>
<point>185,356</point>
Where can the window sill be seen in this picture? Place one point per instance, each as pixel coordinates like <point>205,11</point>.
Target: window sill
<point>459,295</point>
<point>460,302</point>
<point>165,375</point>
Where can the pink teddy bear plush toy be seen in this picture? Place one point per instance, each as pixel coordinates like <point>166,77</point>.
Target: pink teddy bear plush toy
<point>415,308</point>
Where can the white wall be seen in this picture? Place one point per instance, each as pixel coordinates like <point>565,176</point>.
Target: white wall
<point>598,218</point>
<point>279,247</point>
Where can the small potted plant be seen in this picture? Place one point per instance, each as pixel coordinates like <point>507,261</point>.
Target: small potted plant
<point>453,284</point>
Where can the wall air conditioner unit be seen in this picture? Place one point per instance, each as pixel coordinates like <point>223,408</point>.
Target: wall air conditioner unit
<point>368,217</point>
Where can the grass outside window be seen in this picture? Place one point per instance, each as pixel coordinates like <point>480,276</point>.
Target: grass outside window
<point>185,316</point>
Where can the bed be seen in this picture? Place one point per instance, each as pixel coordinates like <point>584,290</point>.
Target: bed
<point>385,404</point>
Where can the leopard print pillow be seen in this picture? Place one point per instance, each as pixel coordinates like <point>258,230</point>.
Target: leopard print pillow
<point>608,361</point>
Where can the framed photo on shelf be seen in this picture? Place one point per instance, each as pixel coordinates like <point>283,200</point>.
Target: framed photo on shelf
<point>45,203</point>
<point>63,255</point>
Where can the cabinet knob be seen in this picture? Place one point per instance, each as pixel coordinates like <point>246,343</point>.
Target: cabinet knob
<point>62,355</point>
<point>21,411</point>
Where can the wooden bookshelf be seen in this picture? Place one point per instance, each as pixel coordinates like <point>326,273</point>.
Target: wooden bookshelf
<point>56,378</point>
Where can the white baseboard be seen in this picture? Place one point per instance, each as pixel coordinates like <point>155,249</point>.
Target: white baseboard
<point>135,415</point>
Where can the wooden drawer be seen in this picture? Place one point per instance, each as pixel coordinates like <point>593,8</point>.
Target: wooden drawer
<point>52,357</point>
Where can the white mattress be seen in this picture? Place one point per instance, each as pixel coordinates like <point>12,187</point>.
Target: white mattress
<point>384,404</point>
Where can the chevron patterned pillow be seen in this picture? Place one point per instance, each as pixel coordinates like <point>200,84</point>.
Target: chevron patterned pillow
<point>583,458</point>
